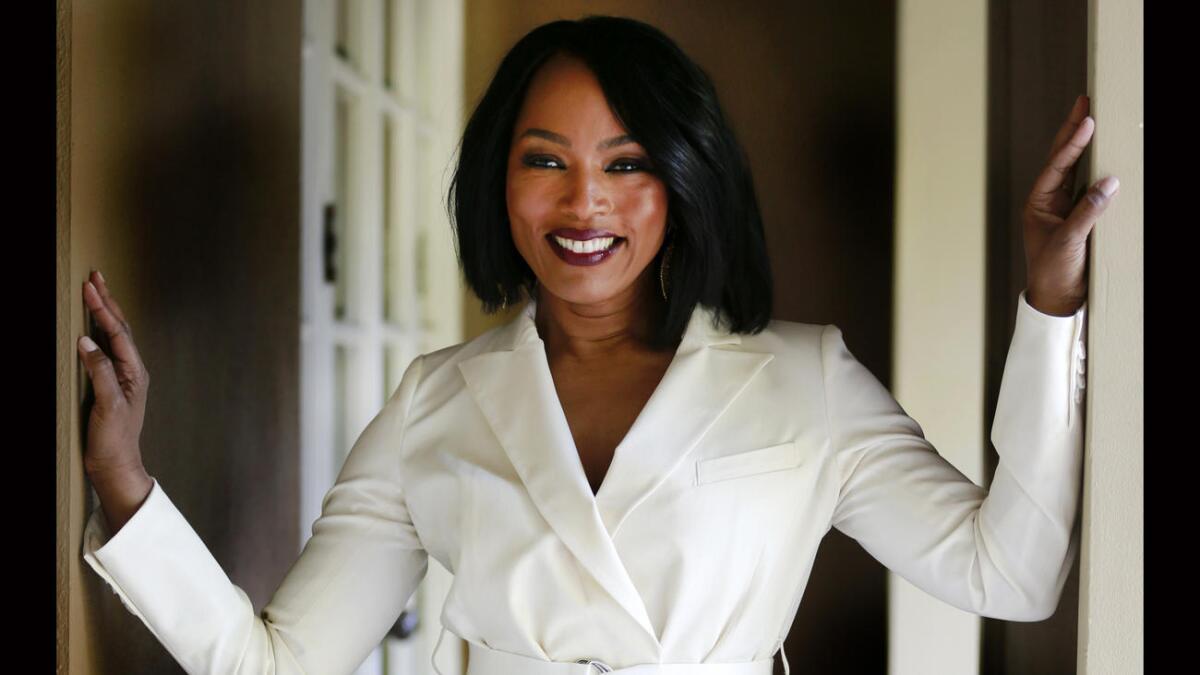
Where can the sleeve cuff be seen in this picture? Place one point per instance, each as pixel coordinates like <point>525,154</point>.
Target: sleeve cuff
<point>99,542</point>
<point>1023,304</point>
<point>1041,326</point>
<point>164,575</point>
<point>1037,423</point>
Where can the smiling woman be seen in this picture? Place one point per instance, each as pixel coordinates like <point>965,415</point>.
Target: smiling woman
<point>575,141</point>
<point>622,204</point>
<point>617,481</point>
<point>585,212</point>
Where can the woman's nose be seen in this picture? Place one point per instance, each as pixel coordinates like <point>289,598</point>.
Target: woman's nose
<point>586,194</point>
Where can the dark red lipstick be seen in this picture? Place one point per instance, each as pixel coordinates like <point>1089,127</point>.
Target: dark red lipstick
<point>585,259</point>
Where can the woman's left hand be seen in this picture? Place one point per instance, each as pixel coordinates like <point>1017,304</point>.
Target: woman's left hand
<point>1056,229</point>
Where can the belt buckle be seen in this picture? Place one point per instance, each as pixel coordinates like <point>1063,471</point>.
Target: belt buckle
<point>600,665</point>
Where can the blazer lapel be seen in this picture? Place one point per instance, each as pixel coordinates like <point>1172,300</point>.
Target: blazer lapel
<point>512,385</point>
<point>694,393</point>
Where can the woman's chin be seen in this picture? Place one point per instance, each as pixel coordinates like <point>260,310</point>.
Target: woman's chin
<point>592,292</point>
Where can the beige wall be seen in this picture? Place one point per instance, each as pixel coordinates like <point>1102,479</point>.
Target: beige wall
<point>179,175</point>
<point>809,90</point>
<point>939,287</point>
<point>1112,581</point>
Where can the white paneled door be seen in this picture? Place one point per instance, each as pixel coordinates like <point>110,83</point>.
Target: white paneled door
<point>382,94</point>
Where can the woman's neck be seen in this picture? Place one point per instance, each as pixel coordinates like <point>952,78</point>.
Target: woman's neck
<point>589,332</point>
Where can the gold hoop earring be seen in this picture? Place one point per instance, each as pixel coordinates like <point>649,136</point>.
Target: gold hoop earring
<point>663,267</point>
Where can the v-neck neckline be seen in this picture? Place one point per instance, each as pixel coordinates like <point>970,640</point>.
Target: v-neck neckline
<point>508,378</point>
<point>560,410</point>
<point>693,338</point>
<point>561,413</point>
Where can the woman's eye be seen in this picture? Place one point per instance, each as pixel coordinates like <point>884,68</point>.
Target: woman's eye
<point>541,162</point>
<point>627,165</point>
<point>548,162</point>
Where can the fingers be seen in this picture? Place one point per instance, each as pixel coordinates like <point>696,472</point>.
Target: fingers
<point>1078,112</point>
<point>102,286</point>
<point>1060,169</point>
<point>100,370</point>
<point>1052,188</point>
<point>111,320</point>
<point>1089,209</point>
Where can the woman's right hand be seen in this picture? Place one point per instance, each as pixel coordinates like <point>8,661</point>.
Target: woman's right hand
<point>112,457</point>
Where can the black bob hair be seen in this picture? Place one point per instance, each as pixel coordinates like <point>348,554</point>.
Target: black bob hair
<point>669,105</point>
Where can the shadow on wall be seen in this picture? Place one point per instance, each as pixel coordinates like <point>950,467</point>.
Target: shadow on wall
<point>186,133</point>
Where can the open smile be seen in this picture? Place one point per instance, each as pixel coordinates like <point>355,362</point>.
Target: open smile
<point>587,251</point>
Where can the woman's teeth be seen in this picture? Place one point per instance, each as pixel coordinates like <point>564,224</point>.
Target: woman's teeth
<point>588,246</point>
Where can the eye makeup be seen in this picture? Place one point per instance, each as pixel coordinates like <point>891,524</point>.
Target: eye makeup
<point>540,161</point>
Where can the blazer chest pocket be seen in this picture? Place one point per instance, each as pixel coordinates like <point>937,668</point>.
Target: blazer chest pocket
<point>748,463</point>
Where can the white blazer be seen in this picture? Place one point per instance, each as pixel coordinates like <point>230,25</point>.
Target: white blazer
<point>697,548</point>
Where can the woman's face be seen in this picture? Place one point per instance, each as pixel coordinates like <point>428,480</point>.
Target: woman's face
<point>574,175</point>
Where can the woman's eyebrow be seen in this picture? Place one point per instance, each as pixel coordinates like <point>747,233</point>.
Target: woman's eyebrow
<point>564,141</point>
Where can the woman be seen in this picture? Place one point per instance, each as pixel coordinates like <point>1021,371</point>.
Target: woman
<point>635,474</point>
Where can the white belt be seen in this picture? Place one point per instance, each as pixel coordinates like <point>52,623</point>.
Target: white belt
<point>485,661</point>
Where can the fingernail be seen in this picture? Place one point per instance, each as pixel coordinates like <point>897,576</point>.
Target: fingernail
<point>88,345</point>
<point>1109,185</point>
<point>100,277</point>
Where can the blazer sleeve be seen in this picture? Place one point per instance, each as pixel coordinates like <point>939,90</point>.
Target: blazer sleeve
<point>1004,552</point>
<point>336,603</point>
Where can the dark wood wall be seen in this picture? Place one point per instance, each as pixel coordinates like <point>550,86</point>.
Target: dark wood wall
<point>184,163</point>
<point>1037,65</point>
<point>827,191</point>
